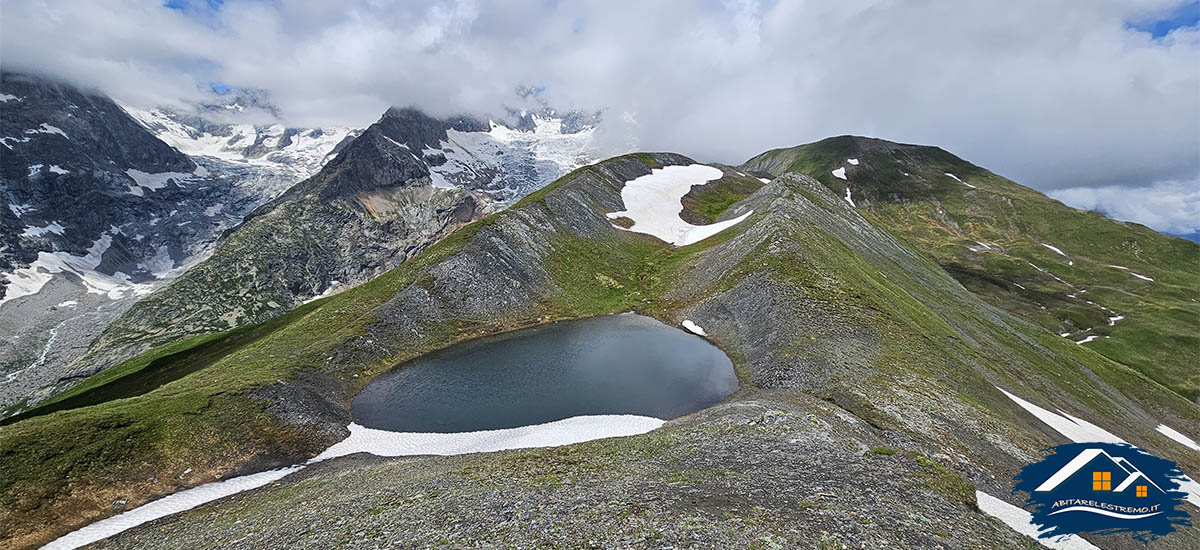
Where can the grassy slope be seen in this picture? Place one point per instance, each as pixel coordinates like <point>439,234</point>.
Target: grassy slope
<point>63,468</point>
<point>198,413</point>
<point>204,417</point>
<point>944,218</point>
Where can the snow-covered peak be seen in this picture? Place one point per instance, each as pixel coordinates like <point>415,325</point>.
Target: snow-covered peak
<point>299,151</point>
<point>508,162</point>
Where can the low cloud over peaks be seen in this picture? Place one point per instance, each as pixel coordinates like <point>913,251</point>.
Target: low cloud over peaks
<point>1054,94</point>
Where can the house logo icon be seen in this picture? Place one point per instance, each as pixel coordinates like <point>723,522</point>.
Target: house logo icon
<point>1103,488</point>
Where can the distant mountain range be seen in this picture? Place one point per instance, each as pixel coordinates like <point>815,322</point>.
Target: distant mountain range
<point>908,330</point>
<point>99,213</point>
<point>164,202</point>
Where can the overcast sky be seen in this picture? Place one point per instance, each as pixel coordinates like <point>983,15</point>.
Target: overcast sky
<point>1096,102</point>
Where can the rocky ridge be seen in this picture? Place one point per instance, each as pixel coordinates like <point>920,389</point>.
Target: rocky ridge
<point>405,182</point>
<point>853,350</point>
<point>1118,288</point>
<point>99,213</point>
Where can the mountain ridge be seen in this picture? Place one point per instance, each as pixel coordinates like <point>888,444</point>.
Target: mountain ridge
<point>99,212</point>
<point>378,201</point>
<point>839,331</point>
<point>1075,273</point>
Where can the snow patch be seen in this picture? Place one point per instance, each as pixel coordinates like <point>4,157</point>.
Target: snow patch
<point>840,173</point>
<point>171,504</point>
<point>848,198</point>
<point>379,443</point>
<point>68,303</point>
<point>1088,339</point>
<point>30,280</point>
<point>1142,277</point>
<point>53,227</point>
<point>694,328</point>
<point>653,203</point>
<point>54,168</point>
<point>47,129</point>
<point>982,246</point>
<point>1021,521</point>
<point>958,180</point>
<point>394,142</point>
<point>1113,320</point>
<point>764,180</point>
<point>5,98</point>
<point>6,140</point>
<point>1055,249</point>
<point>1082,431</point>
<point>853,162</point>
<point>19,209</point>
<point>552,434</point>
<point>1075,429</point>
<point>1178,437</point>
<point>145,180</point>
<point>334,287</point>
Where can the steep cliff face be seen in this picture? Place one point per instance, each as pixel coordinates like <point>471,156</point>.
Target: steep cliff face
<point>369,209</point>
<point>68,159</point>
<point>96,212</point>
<point>871,382</point>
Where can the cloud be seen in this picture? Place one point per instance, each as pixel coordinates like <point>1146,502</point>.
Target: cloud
<point>1169,207</point>
<point>1056,94</point>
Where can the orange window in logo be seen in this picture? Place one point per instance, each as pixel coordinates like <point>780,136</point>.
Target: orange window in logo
<point>1101,481</point>
<point>1141,490</point>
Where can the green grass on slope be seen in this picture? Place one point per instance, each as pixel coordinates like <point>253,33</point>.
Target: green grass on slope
<point>905,189</point>
<point>198,413</point>
<point>149,371</point>
<point>188,404</point>
<point>75,461</point>
<point>713,199</point>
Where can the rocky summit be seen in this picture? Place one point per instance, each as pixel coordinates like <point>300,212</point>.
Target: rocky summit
<point>99,213</point>
<point>883,402</point>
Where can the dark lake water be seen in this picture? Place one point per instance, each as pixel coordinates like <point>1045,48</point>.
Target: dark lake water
<point>618,364</point>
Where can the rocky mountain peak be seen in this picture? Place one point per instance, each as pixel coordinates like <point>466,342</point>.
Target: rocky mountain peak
<point>46,121</point>
<point>372,161</point>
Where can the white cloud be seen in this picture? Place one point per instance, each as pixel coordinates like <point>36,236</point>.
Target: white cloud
<point>1169,207</point>
<point>1055,94</point>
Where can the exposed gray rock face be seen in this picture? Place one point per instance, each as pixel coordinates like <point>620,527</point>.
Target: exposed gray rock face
<point>66,160</point>
<point>96,212</point>
<point>404,183</point>
<point>368,210</point>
